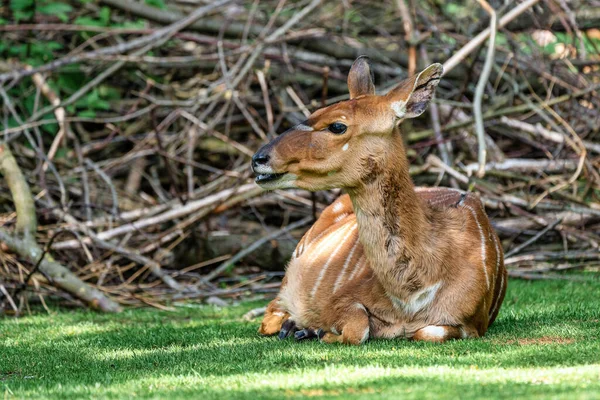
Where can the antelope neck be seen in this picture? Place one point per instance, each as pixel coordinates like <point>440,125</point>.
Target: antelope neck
<point>392,220</point>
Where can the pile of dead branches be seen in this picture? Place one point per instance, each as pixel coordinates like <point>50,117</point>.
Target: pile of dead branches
<point>127,130</point>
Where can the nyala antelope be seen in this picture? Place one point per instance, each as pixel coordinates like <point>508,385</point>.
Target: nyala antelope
<point>386,259</point>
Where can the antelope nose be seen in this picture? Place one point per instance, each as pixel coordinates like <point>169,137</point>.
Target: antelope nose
<point>259,159</point>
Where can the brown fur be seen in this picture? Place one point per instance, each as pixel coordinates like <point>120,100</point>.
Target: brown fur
<point>386,260</point>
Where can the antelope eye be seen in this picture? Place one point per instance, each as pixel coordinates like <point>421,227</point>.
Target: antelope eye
<point>338,128</point>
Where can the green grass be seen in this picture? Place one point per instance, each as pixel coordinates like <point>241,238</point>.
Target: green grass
<point>545,344</point>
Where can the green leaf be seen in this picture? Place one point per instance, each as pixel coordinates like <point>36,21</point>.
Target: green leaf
<point>137,24</point>
<point>157,3</point>
<point>87,114</point>
<point>59,10</point>
<point>105,15</point>
<point>22,15</point>
<point>87,21</point>
<point>21,5</point>
<point>54,8</point>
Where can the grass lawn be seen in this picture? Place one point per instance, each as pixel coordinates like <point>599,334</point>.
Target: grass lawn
<point>546,343</point>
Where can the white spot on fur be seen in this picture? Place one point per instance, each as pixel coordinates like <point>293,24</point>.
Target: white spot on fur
<point>399,108</point>
<point>434,332</point>
<point>418,301</point>
<point>337,207</point>
<point>463,333</point>
<point>278,314</point>
<point>346,146</point>
<point>334,331</point>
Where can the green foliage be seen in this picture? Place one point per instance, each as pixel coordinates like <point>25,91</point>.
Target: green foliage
<point>59,10</point>
<point>25,9</point>
<point>102,20</point>
<point>157,3</point>
<point>22,9</point>
<point>545,344</point>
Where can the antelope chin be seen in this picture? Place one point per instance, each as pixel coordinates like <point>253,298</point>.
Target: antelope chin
<point>274,181</point>
<point>264,178</point>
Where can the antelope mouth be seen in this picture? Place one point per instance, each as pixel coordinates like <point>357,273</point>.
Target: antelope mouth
<point>266,178</point>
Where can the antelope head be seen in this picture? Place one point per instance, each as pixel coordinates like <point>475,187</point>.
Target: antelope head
<point>333,147</point>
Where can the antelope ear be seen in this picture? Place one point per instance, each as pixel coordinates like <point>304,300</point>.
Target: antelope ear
<point>360,79</point>
<point>412,96</point>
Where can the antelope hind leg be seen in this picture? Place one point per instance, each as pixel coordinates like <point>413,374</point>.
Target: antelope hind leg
<point>354,330</point>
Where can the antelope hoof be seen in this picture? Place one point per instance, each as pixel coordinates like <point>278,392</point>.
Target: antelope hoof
<point>287,328</point>
<point>306,334</point>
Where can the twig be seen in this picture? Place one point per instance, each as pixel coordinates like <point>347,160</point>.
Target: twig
<point>539,130</point>
<point>228,264</point>
<point>460,55</point>
<point>533,239</point>
<point>526,165</point>
<point>28,248</point>
<point>108,181</point>
<point>481,83</point>
<point>59,112</point>
<point>254,313</point>
<point>408,35</point>
<point>177,211</point>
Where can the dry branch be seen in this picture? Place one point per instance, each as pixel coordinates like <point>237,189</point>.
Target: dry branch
<point>26,246</point>
<point>156,189</point>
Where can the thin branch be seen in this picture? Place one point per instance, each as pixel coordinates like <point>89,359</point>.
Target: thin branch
<point>460,55</point>
<point>481,83</point>
<point>248,250</point>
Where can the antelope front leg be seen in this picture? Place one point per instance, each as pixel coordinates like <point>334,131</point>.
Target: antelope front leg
<point>275,320</point>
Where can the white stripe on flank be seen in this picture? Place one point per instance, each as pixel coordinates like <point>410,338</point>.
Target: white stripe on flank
<point>482,238</point>
<point>338,281</point>
<point>358,267</point>
<point>320,235</point>
<point>442,199</point>
<point>495,239</point>
<point>339,218</point>
<point>499,295</point>
<point>331,256</point>
<point>330,237</point>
